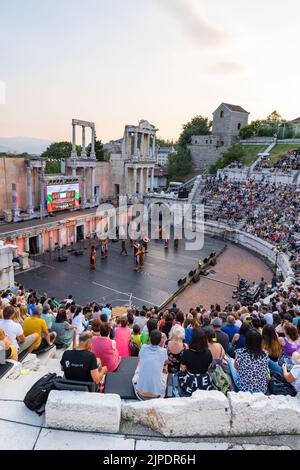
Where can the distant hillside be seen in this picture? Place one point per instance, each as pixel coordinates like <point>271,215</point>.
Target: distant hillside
<point>23,144</point>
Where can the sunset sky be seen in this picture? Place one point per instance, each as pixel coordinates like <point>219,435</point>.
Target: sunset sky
<point>117,61</point>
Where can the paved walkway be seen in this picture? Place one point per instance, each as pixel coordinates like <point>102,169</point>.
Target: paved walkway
<point>235,262</point>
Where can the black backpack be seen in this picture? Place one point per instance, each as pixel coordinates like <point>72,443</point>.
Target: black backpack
<point>36,397</point>
<point>278,386</point>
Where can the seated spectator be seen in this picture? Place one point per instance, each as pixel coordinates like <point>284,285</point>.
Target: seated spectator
<point>136,336</point>
<point>47,316</point>
<point>81,364</point>
<point>175,348</point>
<point>239,339</point>
<point>150,379</point>
<point>152,324</point>
<point>103,347</point>
<point>65,333</point>
<point>272,345</point>
<point>230,328</point>
<point>291,341</point>
<point>249,369</point>
<point>130,318</point>
<point>189,329</point>
<point>195,363</point>
<point>11,351</point>
<point>140,319</point>
<point>122,337</point>
<point>293,377</point>
<point>216,349</point>
<point>166,324</point>
<point>35,324</point>
<point>107,311</point>
<point>78,320</point>
<point>96,313</point>
<point>15,332</point>
<point>222,337</point>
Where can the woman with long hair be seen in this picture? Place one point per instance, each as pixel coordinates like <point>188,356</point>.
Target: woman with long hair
<point>195,363</point>
<point>272,345</point>
<point>216,349</point>
<point>250,367</point>
<point>79,320</point>
<point>291,341</point>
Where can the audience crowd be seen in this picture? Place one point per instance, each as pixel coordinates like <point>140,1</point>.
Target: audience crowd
<point>290,162</point>
<point>240,347</point>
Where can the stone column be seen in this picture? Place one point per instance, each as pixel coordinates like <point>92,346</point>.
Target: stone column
<point>74,172</point>
<point>42,192</point>
<point>93,155</point>
<point>135,144</point>
<point>93,199</point>
<point>68,235</point>
<point>15,208</point>
<point>153,146</point>
<point>142,145</point>
<point>74,151</point>
<point>83,153</point>
<point>42,244</point>
<point>51,247</point>
<point>59,237</point>
<point>134,180</point>
<point>27,249</point>
<point>152,180</point>
<point>147,179</point>
<point>84,189</point>
<point>141,188</point>
<point>148,145</point>
<point>29,192</point>
<point>126,185</point>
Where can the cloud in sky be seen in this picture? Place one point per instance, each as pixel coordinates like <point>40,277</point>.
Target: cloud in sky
<point>193,24</point>
<point>226,68</point>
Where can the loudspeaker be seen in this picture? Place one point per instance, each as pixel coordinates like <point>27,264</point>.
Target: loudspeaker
<point>183,193</point>
<point>196,278</point>
<point>181,282</point>
<point>205,261</point>
<point>191,273</point>
<point>62,259</point>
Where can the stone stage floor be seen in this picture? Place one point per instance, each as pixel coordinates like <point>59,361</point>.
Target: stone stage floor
<point>115,281</point>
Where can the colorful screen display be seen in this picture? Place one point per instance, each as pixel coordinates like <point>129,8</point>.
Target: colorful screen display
<point>62,197</point>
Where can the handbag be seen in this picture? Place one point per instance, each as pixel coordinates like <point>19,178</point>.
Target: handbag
<point>278,386</point>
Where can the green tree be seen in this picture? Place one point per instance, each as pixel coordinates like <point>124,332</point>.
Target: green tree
<point>198,125</point>
<point>275,117</point>
<point>60,150</point>
<point>101,154</point>
<point>160,142</point>
<point>180,164</point>
<point>235,153</point>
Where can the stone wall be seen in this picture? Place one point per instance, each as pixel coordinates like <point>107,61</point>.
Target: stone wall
<point>13,170</point>
<point>228,124</point>
<point>6,266</point>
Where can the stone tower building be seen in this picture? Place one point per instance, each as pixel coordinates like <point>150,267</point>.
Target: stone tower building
<point>228,119</point>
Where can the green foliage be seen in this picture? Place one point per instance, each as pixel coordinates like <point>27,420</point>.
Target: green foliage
<point>59,150</point>
<point>199,125</point>
<point>245,154</point>
<point>160,142</point>
<point>101,154</point>
<point>53,166</point>
<point>275,117</point>
<point>180,164</point>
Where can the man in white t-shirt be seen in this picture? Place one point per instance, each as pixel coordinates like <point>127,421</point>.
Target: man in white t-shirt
<point>15,331</point>
<point>293,377</point>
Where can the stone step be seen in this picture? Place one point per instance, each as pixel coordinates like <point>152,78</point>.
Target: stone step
<point>44,357</point>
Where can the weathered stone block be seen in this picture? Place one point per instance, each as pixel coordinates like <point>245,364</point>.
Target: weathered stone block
<point>83,411</point>
<point>260,414</point>
<point>204,414</point>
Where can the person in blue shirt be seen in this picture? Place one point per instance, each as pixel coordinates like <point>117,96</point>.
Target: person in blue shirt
<point>107,311</point>
<point>230,328</point>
